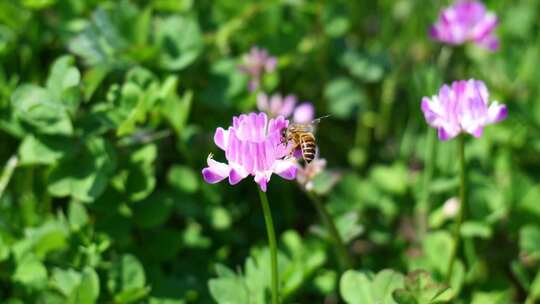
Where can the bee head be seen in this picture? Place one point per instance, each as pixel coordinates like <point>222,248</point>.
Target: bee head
<point>283,133</point>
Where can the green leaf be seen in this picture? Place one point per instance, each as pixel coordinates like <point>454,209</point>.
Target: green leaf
<point>355,288</point>
<point>141,180</point>
<point>49,237</point>
<point>77,215</point>
<point>154,210</point>
<point>183,178</point>
<point>390,178</point>
<point>88,290</point>
<point>362,66</point>
<point>65,281</point>
<point>220,218</point>
<point>324,182</point>
<point>363,287</point>
<point>385,282</point>
<point>438,247</point>
<point>344,98</point>
<point>38,108</point>
<point>132,295</point>
<point>225,84</point>
<point>63,76</point>
<point>180,41</point>
<point>476,229</point>
<point>43,149</point>
<point>493,297</point>
<point>176,109</point>
<point>126,278</point>
<point>529,240</point>
<point>85,174</point>
<point>30,271</point>
<point>229,290</point>
<point>92,79</point>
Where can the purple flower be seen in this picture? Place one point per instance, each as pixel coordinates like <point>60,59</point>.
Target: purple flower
<point>252,147</point>
<point>276,105</point>
<point>464,21</point>
<point>462,107</point>
<point>257,62</point>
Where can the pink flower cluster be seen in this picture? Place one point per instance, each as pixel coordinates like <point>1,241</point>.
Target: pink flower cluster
<point>462,107</point>
<point>257,62</point>
<point>252,146</point>
<point>276,105</point>
<point>465,21</point>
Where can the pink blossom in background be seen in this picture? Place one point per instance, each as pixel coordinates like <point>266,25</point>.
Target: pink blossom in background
<point>462,107</point>
<point>255,64</point>
<point>276,105</point>
<point>304,113</point>
<point>252,146</point>
<point>466,21</point>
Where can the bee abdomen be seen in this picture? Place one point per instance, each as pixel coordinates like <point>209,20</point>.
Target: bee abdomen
<point>308,148</point>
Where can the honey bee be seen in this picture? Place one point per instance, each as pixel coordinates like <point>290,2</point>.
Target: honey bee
<point>302,137</point>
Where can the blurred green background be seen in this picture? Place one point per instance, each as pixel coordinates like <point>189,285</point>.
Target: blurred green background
<point>107,112</point>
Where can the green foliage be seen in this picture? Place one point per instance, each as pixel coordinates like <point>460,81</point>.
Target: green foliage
<point>360,287</point>
<point>107,115</point>
<point>421,289</point>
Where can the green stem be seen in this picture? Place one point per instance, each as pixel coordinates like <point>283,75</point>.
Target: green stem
<point>462,205</point>
<point>423,206</point>
<point>272,243</point>
<point>344,258</point>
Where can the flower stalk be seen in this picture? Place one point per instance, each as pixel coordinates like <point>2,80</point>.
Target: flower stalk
<point>423,206</point>
<point>462,206</point>
<point>273,246</point>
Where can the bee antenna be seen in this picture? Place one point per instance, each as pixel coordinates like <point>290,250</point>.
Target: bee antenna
<point>318,119</point>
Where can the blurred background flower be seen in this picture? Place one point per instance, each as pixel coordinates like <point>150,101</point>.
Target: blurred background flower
<point>466,21</point>
<point>462,107</point>
<point>276,105</point>
<point>255,64</point>
<point>304,113</point>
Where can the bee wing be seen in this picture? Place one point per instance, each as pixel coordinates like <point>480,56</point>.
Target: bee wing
<point>302,127</point>
<point>318,119</point>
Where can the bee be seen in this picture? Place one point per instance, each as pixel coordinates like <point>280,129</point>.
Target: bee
<point>302,137</point>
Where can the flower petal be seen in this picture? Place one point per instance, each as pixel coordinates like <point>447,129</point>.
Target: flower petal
<point>285,168</point>
<point>497,112</point>
<point>262,178</point>
<point>287,106</point>
<point>430,109</point>
<point>490,42</point>
<point>237,174</point>
<point>484,27</point>
<point>221,138</point>
<point>446,133</point>
<point>215,172</point>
